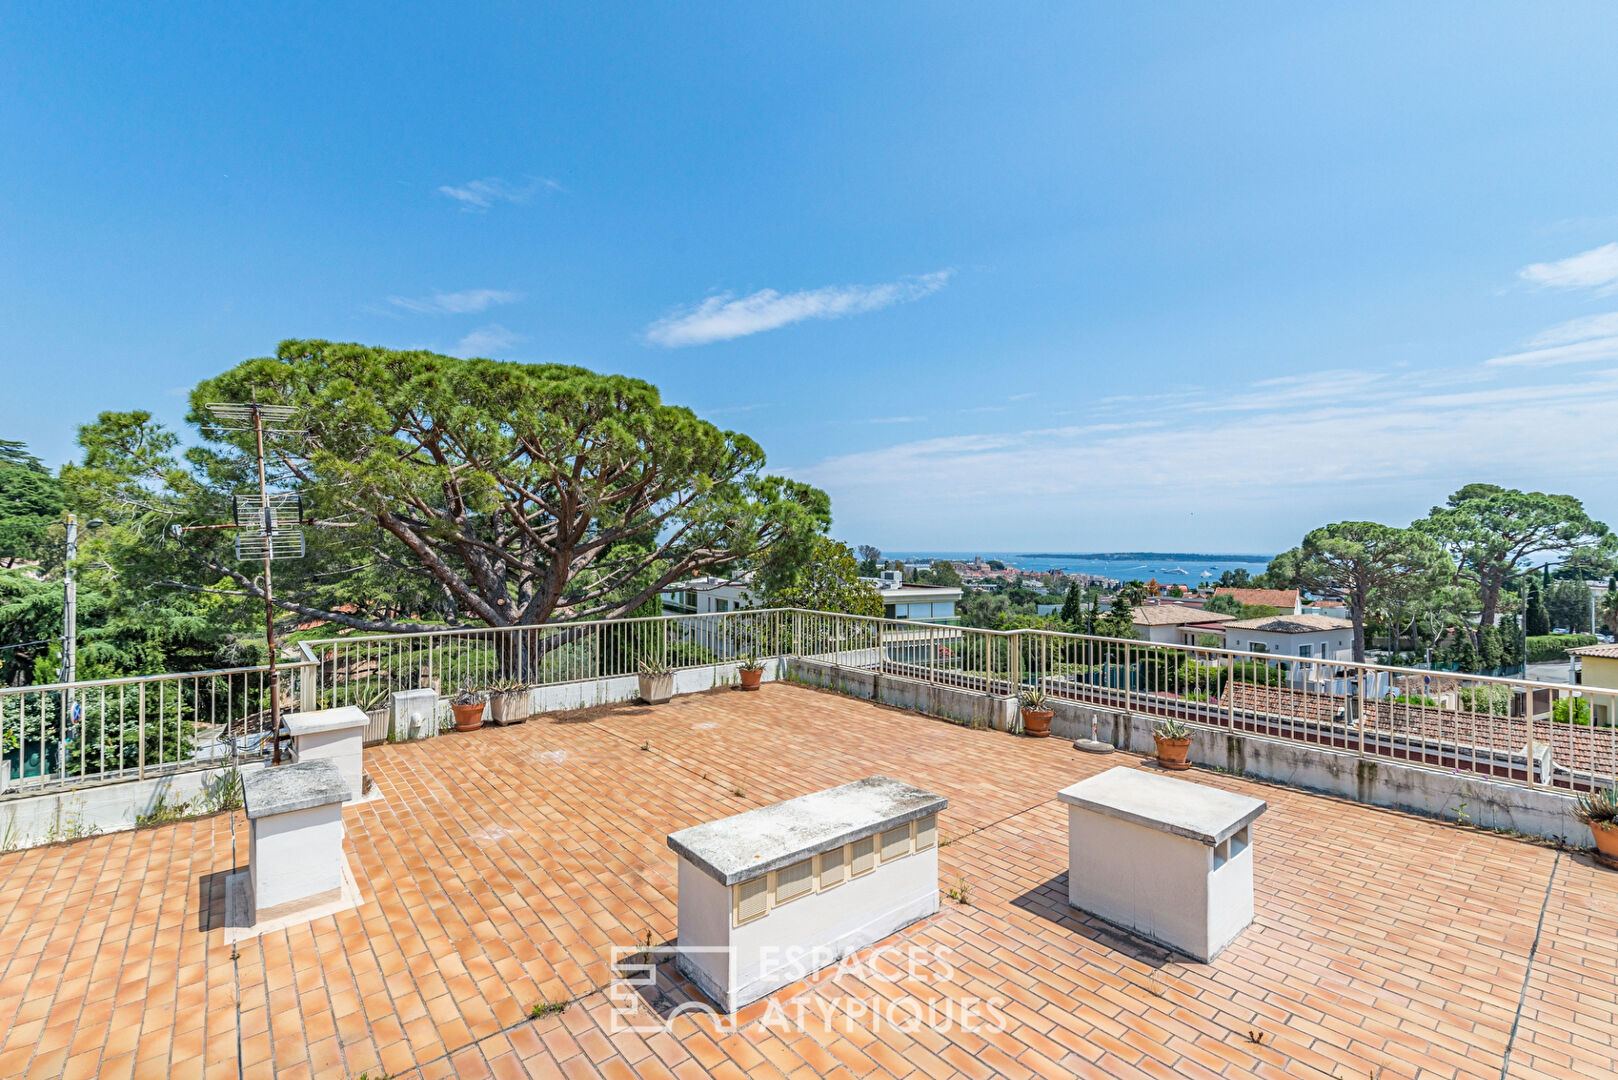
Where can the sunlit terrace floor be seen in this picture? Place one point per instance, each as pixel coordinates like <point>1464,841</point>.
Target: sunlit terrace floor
<point>499,868</point>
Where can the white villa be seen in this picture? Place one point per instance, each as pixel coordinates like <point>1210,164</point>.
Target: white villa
<point>1176,624</point>
<point>1308,637</point>
<point>900,599</point>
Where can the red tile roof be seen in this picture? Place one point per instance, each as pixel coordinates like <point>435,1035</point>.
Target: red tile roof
<point>1285,599</point>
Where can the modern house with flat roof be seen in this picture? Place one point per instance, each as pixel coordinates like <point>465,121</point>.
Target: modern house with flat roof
<point>1309,637</point>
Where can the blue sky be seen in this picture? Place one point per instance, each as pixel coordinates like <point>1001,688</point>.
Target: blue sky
<point>1039,277</point>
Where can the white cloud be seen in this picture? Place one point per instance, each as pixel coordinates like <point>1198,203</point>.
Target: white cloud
<point>1593,269</point>
<point>477,196</point>
<point>1397,441</point>
<point>1577,341</point>
<point>1580,329</point>
<point>721,318</point>
<point>466,302</point>
<point>487,340</point>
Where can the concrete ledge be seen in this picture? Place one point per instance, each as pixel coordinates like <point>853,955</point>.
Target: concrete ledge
<point>747,845</point>
<point>114,806</point>
<point>1375,781</point>
<point>1447,794</point>
<point>968,707</point>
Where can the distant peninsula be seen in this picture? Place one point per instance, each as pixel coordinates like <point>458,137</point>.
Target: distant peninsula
<point>1154,555</point>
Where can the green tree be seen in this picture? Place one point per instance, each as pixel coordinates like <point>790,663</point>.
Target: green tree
<point>1223,604</point>
<point>1568,602</point>
<point>1463,654</point>
<point>828,580</point>
<point>1608,609</point>
<point>1359,560</point>
<point>1119,621</point>
<point>1282,572</point>
<point>521,493</point>
<point>1491,648</point>
<point>30,504</point>
<point>1073,606</point>
<point>1511,641</point>
<point>1491,531</point>
<point>870,559</point>
<point>944,573</point>
<point>30,623</point>
<point>1538,615</point>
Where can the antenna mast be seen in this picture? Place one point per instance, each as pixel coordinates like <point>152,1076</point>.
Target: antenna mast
<point>269,525</point>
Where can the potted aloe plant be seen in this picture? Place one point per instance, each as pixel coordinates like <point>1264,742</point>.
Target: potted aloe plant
<point>1599,810</point>
<point>467,705</point>
<point>656,681</point>
<point>752,669</point>
<point>1173,744</point>
<point>1036,710</point>
<point>506,701</point>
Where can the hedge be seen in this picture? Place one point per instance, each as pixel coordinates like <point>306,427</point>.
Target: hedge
<point>1545,647</point>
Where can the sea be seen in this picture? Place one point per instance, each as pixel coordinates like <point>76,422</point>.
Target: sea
<point>1169,568</point>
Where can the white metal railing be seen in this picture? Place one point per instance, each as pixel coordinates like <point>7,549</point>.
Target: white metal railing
<point>66,735</point>
<point>365,670</point>
<point>1515,730</point>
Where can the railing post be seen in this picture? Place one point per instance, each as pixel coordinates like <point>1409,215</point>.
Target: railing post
<point>1359,708</point>
<point>140,733</point>
<point>1533,758</point>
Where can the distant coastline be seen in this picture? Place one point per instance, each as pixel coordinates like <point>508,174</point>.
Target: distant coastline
<point>1198,556</point>
<point>1168,568</point>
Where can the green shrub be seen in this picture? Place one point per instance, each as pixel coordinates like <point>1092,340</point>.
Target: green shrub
<point>1549,647</point>
<point>1256,671</point>
<point>1491,698</point>
<point>1576,708</point>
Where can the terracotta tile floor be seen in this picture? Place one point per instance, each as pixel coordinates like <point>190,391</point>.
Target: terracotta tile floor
<point>501,867</point>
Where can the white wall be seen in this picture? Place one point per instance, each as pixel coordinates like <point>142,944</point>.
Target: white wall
<point>1324,644</point>
<point>42,819</point>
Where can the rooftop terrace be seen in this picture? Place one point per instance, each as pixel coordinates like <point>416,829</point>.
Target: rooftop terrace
<point>500,868</point>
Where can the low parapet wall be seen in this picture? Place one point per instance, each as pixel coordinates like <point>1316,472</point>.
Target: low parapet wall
<point>31,820</point>
<point>1376,781</point>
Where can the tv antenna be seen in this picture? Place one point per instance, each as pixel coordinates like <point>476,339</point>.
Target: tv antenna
<point>268,525</point>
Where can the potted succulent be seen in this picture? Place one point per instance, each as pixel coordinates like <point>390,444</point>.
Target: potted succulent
<point>752,669</point>
<point>1036,712</point>
<point>506,701</point>
<point>467,705</point>
<point>656,681</point>
<point>1599,810</point>
<point>1173,744</point>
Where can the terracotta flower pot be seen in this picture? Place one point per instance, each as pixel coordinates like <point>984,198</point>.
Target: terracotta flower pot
<point>468,717</point>
<point>1606,844</point>
<point>750,679</point>
<point>656,689</point>
<point>1036,723</point>
<point>1172,753</point>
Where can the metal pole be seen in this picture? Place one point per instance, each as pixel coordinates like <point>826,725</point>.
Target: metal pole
<point>269,597</point>
<point>70,605</point>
